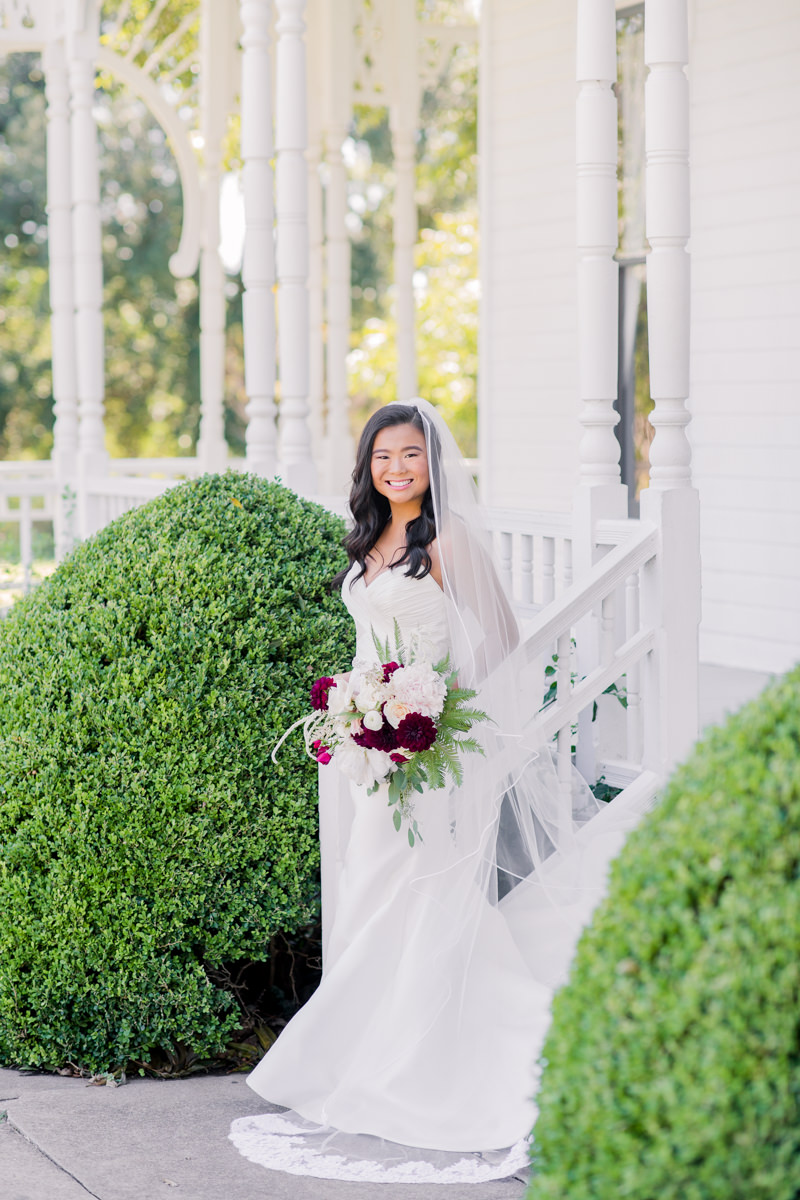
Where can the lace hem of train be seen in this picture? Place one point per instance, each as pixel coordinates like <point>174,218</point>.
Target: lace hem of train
<point>285,1141</point>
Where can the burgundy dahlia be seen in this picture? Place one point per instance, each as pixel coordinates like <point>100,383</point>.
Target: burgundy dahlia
<point>384,738</point>
<point>398,758</point>
<point>319,692</point>
<point>416,733</point>
<point>389,670</point>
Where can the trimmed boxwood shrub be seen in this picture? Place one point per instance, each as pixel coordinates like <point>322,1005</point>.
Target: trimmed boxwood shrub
<point>673,1061</point>
<point>145,837</point>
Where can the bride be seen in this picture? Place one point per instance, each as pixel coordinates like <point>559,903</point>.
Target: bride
<point>415,1060</point>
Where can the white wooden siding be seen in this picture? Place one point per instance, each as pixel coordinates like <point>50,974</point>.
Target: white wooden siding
<point>745,121</point>
<point>528,384</point>
<point>746,327</point>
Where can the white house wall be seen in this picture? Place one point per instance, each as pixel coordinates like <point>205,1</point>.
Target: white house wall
<point>745,395</point>
<point>745,82</point>
<point>528,378</point>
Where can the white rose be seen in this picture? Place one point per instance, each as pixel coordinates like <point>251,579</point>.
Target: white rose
<point>368,694</point>
<point>373,719</point>
<point>394,711</point>
<point>420,688</point>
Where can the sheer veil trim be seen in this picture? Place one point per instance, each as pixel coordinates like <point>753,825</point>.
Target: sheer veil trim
<point>508,870</point>
<point>285,1141</point>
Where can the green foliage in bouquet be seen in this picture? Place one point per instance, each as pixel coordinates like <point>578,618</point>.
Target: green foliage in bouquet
<point>146,839</point>
<point>432,767</point>
<point>673,1061</point>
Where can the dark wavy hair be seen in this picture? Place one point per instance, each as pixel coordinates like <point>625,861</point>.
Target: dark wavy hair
<point>371,510</point>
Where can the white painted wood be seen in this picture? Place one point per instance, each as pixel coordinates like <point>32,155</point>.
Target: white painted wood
<point>403,122</point>
<point>87,258</point>
<point>597,239</point>
<point>633,712</point>
<point>745,357</point>
<point>339,450</point>
<point>667,182</point>
<point>258,263</point>
<point>316,278</point>
<point>62,302</point>
<point>296,460</point>
<point>528,277</point>
<point>214,87</point>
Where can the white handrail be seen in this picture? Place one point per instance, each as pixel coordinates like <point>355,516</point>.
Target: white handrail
<point>583,596</point>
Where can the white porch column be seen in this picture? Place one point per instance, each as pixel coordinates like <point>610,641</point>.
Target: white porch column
<point>597,242</point>
<point>88,265</point>
<point>670,500</point>
<point>316,47</point>
<point>316,301</point>
<point>403,122</point>
<point>600,492</point>
<point>258,264</point>
<point>296,463</point>
<point>339,451</point>
<point>62,301</point>
<point>214,34</point>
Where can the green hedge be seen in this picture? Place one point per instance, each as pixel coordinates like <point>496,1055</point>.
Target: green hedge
<point>145,837</point>
<point>673,1061</point>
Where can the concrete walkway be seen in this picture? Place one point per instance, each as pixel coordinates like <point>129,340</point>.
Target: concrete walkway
<point>64,1139</point>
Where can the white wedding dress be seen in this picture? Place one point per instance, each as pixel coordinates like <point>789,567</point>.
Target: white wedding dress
<point>415,1060</point>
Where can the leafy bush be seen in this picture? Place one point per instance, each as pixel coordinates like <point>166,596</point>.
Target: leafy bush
<point>146,840</point>
<point>673,1058</point>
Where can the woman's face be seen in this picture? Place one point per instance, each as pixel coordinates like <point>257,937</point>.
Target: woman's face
<point>400,464</point>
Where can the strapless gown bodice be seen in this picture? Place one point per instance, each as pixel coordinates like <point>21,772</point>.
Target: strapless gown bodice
<point>418,606</point>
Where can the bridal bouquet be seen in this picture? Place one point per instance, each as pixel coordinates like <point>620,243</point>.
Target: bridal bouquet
<point>402,723</point>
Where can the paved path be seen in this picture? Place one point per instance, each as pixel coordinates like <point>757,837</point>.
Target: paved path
<point>62,1139</point>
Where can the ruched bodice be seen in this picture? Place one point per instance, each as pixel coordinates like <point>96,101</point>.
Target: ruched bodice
<point>419,606</point>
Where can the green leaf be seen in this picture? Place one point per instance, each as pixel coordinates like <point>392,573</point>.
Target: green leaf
<point>397,818</point>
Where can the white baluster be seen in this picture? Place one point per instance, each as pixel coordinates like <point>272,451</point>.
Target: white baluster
<point>607,607</point>
<point>633,714</point>
<point>548,569</point>
<point>339,447</point>
<point>526,568</point>
<point>566,568</point>
<point>564,741</point>
<point>26,541</point>
<point>258,263</point>
<point>506,556</point>
<point>297,466</point>
<point>88,266</point>
<point>667,148</point>
<point>597,239</point>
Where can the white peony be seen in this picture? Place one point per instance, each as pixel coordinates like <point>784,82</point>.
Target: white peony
<point>373,719</point>
<point>339,697</point>
<point>364,767</point>
<point>369,690</point>
<point>420,688</point>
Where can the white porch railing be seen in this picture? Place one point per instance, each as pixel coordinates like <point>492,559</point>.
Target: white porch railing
<point>27,498</point>
<point>534,550</point>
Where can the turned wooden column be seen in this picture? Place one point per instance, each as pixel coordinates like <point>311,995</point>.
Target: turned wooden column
<point>258,263</point>
<point>296,462</point>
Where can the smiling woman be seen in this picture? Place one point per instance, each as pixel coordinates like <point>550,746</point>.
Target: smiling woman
<point>439,956</point>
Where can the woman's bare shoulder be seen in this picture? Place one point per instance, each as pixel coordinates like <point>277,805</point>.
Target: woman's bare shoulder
<point>436,562</point>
